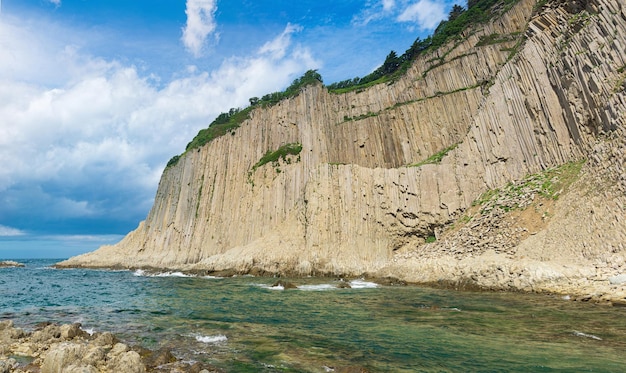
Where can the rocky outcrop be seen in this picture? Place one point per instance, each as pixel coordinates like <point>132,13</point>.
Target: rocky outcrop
<point>535,88</point>
<point>67,348</point>
<point>10,264</point>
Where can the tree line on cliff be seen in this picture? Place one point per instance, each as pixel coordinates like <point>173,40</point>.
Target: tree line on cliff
<point>394,66</point>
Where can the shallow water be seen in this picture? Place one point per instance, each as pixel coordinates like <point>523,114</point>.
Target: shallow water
<point>243,325</point>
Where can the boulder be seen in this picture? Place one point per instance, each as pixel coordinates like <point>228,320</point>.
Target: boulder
<point>71,331</point>
<point>60,356</point>
<point>8,365</point>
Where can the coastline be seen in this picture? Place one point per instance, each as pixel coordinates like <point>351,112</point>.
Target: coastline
<point>68,348</point>
<point>482,273</point>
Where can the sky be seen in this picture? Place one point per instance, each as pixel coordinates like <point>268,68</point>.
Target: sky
<point>97,95</point>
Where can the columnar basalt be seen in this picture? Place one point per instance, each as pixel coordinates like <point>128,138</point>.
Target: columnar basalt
<point>536,87</point>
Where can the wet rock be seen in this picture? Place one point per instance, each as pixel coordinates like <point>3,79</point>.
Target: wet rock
<point>159,357</point>
<point>343,285</point>
<point>71,331</point>
<point>285,284</point>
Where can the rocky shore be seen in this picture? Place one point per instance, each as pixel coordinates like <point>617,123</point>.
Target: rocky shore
<point>52,348</point>
<point>10,264</point>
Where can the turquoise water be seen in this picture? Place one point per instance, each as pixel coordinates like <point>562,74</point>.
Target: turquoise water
<point>243,325</point>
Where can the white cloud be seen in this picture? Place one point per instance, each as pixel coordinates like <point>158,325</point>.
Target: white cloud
<point>56,2</point>
<point>93,140</point>
<point>388,5</point>
<point>425,13</point>
<point>374,11</point>
<point>200,23</point>
<point>278,47</point>
<point>10,232</point>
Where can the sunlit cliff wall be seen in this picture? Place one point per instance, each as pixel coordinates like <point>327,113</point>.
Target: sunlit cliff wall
<point>354,195</point>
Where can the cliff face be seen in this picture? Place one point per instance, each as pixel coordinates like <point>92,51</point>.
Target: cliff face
<point>532,89</point>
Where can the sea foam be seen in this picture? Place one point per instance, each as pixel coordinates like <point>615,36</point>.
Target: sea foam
<point>211,339</point>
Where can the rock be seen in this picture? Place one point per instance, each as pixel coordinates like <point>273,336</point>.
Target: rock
<point>80,369</point>
<point>105,339</point>
<point>62,355</point>
<point>618,280</point>
<point>6,324</point>
<point>285,284</point>
<point>51,332</point>
<point>7,366</point>
<point>343,285</point>
<point>125,362</point>
<point>10,264</point>
<point>392,166</point>
<point>71,331</point>
<point>159,357</point>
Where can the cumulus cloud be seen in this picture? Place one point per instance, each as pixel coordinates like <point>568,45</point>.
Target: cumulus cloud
<point>423,14</point>
<point>92,141</point>
<point>200,23</point>
<point>426,14</point>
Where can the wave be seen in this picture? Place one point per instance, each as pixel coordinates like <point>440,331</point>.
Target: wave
<point>354,284</point>
<point>585,335</point>
<point>362,284</point>
<point>143,273</point>
<point>211,339</point>
<point>90,331</point>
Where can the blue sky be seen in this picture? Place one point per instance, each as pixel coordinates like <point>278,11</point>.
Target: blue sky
<point>97,95</point>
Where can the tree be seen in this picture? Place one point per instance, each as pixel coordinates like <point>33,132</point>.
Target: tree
<point>391,64</point>
<point>456,11</point>
<point>471,3</point>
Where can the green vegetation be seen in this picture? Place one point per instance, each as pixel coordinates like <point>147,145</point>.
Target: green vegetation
<point>459,19</point>
<point>431,239</point>
<point>223,124</point>
<point>435,158</point>
<point>173,161</point>
<point>549,184</point>
<point>228,122</point>
<point>282,152</point>
<point>496,38</point>
<point>310,77</point>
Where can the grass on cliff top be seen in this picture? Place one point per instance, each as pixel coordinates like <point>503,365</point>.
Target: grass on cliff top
<point>228,122</point>
<point>459,19</point>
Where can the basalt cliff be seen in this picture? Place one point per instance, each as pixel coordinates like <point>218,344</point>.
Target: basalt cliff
<point>496,161</point>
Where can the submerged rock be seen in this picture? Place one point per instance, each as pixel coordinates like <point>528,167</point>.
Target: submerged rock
<point>284,284</point>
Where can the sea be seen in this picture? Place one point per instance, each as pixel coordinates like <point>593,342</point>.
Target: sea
<point>244,324</point>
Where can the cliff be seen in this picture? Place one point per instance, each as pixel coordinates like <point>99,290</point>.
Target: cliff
<point>388,177</point>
